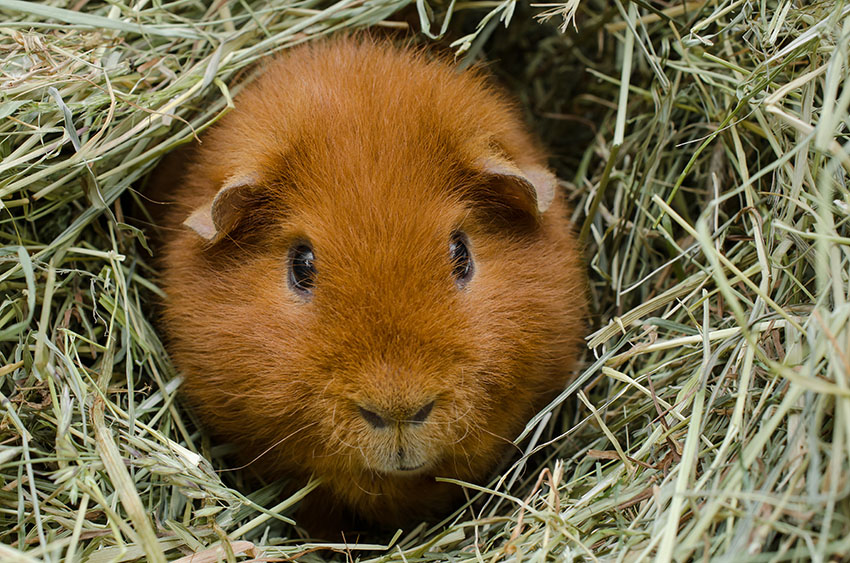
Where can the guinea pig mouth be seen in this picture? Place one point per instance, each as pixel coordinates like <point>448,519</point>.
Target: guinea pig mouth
<point>406,471</point>
<point>413,468</point>
<point>403,467</point>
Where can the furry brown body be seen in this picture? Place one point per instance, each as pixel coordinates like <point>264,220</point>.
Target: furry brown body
<point>375,156</point>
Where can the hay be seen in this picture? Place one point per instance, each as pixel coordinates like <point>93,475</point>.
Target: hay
<point>707,155</point>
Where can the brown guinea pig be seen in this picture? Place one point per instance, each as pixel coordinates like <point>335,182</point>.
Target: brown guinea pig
<point>372,277</point>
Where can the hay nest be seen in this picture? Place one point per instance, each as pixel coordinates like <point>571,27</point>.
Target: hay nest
<point>705,145</point>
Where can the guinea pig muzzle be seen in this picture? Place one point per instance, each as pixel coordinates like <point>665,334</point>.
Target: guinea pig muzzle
<point>394,442</point>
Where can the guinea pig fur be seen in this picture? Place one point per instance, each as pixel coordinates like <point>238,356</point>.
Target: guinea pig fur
<point>371,277</point>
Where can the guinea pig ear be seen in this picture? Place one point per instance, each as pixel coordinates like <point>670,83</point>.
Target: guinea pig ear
<point>216,219</point>
<point>528,188</point>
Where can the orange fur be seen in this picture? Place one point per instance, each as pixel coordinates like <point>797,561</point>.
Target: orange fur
<point>373,154</point>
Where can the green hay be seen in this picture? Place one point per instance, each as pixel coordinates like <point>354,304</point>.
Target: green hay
<point>706,151</point>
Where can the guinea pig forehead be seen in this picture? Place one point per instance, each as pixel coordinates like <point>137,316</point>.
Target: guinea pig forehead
<point>356,172</point>
<point>434,167</point>
<point>373,239</point>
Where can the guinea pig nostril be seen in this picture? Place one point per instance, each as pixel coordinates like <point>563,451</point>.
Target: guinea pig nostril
<point>372,418</point>
<point>422,413</point>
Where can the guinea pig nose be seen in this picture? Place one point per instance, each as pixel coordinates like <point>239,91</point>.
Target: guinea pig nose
<point>372,418</point>
<point>420,415</point>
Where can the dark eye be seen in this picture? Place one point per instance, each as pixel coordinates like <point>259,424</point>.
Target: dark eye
<point>302,269</point>
<point>461,259</point>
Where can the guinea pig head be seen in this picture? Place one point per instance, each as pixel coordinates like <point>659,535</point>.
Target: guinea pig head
<point>369,301</point>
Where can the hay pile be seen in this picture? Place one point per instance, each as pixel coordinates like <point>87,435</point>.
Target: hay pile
<point>706,147</point>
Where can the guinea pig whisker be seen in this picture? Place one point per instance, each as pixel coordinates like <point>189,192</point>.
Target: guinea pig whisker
<point>367,491</point>
<point>466,457</point>
<point>330,382</point>
<point>341,444</point>
<point>335,435</point>
<point>461,416</point>
<point>466,431</point>
<point>267,450</point>
<point>504,439</point>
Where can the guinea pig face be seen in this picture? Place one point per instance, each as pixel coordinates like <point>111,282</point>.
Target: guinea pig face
<point>376,303</point>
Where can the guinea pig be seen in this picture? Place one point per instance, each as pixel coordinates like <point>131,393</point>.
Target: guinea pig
<point>371,277</point>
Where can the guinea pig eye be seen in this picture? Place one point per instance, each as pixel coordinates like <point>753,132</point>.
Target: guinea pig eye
<point>302,269</point>
<point>461,259</point>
